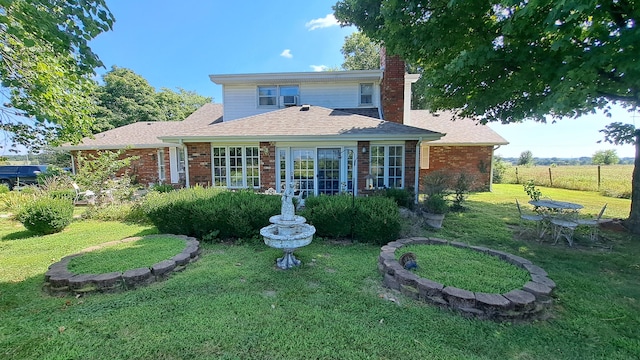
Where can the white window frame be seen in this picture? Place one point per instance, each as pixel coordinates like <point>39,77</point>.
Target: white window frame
<point>386,167</point>
<point>278,94</point>
<point>226,168</point>
<point>362,93</point>
<point>274,96</point>
<point>161,166</point>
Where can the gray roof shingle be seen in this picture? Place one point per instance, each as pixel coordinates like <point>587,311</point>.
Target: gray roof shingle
<point>462,131</point>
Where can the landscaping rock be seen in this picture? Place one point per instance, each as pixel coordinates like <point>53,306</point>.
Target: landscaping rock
<point>78,282</point>
<point>436,241</point>
<point>459,297</point>
<point>419,240</point>
<point>517,260</point>
<point>108,281</point>
<point>534,269</point>
<point>521,299</point>
<point>390,282</point>
<point>458,244</point>
<point>163,268</point>
<point>543,280</point>
<point>481,249</point>
<point>409,291</point>
<point>537,288</point>
<point>182,259</point>
<point>137,277</point>
<point>428,288</point>
<point>406,277</point>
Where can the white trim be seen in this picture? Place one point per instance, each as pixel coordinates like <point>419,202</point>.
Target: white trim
<point>187,183</point>
<point>173,165</point>
<point>416,184</point>
<point>298,77</point>
<point>161,166</point>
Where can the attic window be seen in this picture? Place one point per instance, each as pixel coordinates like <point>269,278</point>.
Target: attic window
<point>267,95</point>
<point>366,94</point>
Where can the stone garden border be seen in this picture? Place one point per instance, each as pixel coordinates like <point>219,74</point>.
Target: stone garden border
<point>529,302</point>
<point>59,280</point>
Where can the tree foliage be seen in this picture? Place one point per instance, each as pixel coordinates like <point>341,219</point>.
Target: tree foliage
<point>526,158</point>
<point>46,67</point>
<point>508,61</point>
<point>127,97</point>
<point>605,157</point>
<point>360,53</point>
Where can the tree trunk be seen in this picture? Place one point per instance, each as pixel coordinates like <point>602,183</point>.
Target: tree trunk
<point>633,222</point>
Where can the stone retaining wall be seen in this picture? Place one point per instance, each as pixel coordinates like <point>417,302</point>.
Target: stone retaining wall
<point>59,280</point>
<point>528,302</point>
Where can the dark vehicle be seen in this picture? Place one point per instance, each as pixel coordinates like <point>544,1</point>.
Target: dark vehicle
<point>20,175</point>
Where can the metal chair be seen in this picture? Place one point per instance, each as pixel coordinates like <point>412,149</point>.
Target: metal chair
<point>593,224</point>
<point>563,227</point>
<point>538,219</point>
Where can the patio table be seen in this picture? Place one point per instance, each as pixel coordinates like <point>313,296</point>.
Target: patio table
<point>562,219</point>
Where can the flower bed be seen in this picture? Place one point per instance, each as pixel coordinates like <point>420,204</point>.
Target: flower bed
<point>528,302</point>
<point>59,280</point>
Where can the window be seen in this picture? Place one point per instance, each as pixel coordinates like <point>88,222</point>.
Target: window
<point>386,166</point>
<point>236,166</point>
<point>267,96</point>
<point>366,94</point>
<point>424,157</point>
<point>161,165</point>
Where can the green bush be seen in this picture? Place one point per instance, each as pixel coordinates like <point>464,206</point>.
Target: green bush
<point>331,215</point>
<point>4,188</point>
<point>162,188</point>
<point>373,219</point>
<point>46,215</point>
<point>402,197</point>
<point>67,194</point>
<point>127,211</point>
<point>202,212</point>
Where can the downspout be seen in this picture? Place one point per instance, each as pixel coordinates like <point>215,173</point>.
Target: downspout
<point>491,172</point>
<point>73,164</point>
<point>186,163</point>
<point>417,165</point>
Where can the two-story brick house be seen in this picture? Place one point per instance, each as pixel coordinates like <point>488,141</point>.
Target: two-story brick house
<point>328,131</point>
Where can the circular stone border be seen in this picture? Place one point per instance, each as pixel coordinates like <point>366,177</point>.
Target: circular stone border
<point>59,280</point>
<point>529,302</point>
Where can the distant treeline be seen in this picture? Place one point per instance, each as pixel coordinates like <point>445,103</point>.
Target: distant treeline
<point>585,160</point>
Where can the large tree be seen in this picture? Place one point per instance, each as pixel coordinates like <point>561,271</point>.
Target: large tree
<point>46,67</point>
<point>509,61</point>
<point>126,97</point>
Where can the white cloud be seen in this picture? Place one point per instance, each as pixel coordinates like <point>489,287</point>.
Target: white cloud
<point>286,53</point>
<point>320,23</point>
<point>319,67</point>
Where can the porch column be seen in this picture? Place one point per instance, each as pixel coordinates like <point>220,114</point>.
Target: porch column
<point>363,165</point>
<point>268,165</point>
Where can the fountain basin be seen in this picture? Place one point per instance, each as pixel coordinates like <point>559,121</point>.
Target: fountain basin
<point>297,235</point>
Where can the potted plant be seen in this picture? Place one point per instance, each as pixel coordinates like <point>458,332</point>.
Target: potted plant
<point>435,204</point>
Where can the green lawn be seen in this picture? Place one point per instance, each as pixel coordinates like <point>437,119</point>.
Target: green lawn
<point>233,304</point>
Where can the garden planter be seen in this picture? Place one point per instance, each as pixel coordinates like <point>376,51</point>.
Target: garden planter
<point>434,220</point>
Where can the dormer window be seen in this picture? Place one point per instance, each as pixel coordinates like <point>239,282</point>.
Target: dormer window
<point>277,95</point>
<point>267,95</point>
<point>366,94</point>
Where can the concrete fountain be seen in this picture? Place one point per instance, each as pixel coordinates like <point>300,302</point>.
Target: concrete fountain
<point>287,231</point>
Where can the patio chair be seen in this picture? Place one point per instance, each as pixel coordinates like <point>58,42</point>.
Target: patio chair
<point>88,194</point>
<point>593,224</point>
<point>538,219</point>
<point>563,227</point>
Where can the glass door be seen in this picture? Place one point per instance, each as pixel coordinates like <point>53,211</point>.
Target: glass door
<point>303,169</point>
<point>328,171</point>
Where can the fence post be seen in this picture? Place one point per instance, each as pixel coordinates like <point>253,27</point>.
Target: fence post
<point>599,178</point>
<point>517,180</point>
<point>550,178</point>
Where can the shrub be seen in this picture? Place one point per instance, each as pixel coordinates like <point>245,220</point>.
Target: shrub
<point>202,212</point>
<point>4,188</point>
<point>332,216</point>
<point>125,212</point>
<point>68,194</point>
<point>402,197</point>
<point>46,215</point>
<point>373,219</point>
<point>162,188</point>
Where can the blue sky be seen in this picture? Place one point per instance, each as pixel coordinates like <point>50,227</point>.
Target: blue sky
<point>179,43</point>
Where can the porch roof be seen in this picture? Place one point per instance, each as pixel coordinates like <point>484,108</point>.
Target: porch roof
<point>145,134</point>
<point>461,131</point>
<point>305,123</point>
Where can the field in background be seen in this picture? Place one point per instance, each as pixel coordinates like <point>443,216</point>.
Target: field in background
<point>615,180</point>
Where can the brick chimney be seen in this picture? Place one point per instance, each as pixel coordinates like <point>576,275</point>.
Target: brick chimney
<point>393,87</point>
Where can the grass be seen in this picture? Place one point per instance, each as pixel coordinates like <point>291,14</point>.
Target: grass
<point>234,304</point>
<point>466,269</point>
<point>615,180</point>
<point>128,255</point>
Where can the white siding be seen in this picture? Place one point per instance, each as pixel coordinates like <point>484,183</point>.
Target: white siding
<point>241,100</point>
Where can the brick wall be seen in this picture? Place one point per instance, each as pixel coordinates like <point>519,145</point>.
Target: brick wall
<point>144,169</point>
<point>268,165</point>
<point>473,160</point>
<point>199,159</point>
<point>363,165</point>
<point>410,164</point>
<point>392,87</point>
